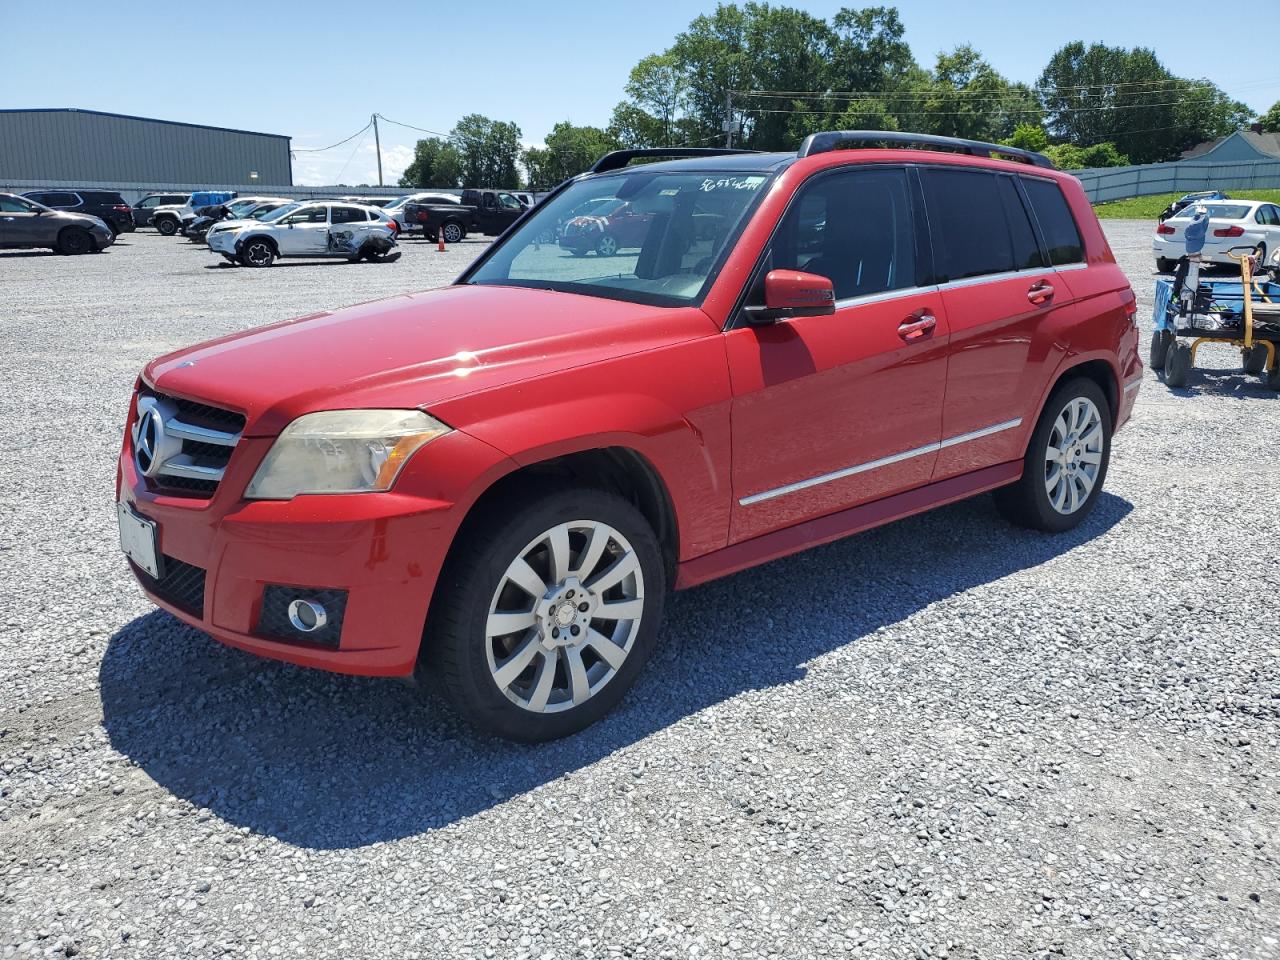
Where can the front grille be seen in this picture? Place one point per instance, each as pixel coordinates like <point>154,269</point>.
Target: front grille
<point>196,445</point>
<point>180,584</point>
<point>274,623</point>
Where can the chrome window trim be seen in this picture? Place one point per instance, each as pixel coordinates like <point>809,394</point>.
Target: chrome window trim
<point>876,464</point>
<point>885,295</point>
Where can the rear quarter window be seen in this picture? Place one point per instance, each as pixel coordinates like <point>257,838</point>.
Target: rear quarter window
<point>1061,235</point>
<point>100,197</point>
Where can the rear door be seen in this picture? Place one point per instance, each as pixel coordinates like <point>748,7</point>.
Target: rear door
<point>999,290</point>
<point>834,411</point>
<point>348,227</point>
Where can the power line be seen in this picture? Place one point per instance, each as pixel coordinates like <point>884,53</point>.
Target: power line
<point>1029,111</point>
<point>332,145</point>
<point>1046,91</point>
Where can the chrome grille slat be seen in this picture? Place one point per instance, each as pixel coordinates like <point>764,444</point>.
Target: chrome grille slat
<point>172,451</point>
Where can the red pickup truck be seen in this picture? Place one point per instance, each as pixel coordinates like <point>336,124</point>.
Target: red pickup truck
<point>497,482</point>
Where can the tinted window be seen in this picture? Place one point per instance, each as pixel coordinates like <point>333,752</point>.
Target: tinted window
<point>348,215</point>
<point>1061,235</point>
<point>13,205</point>
<point>967,222</point>
<point>1026,248</point>
<point>148,202</point>
<point>99,197</point>
<point>854,228</point>
<point>57,199</point>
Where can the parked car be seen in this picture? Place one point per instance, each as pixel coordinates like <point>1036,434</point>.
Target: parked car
<point>245,208</point>
<point>1189,198</point>
<point>481,211</point>
<point>327,229</point>
<point>396,207</point>
<point>26,223</point>
<point>172,218</point>
<point>1232,224</point>
<point>107,205</point>
<point>145,208</point>
<point>500,480</point>
<point>607,228</point>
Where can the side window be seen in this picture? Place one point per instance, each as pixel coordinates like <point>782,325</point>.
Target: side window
<point>348,215</point>
<point>1026,248</point>
<point>307,215</point>
<point>11,205</point>
<point>1061,235</point>
<point>853,227</point>
<point>971,237</point>
<point>1260,215</point>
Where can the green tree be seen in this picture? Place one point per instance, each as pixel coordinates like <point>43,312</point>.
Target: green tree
<point>436,163</point>
<point>964,96</point>
<point>1099,94</point>
<point>657,87</point>
<point>1067,156</point>
<point>1271,119</point>
<point>568,151</point>
<point>1028,136</point>
<point>489,151</point>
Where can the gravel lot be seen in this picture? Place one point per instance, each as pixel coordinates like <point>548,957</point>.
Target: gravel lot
<point>946,738</point>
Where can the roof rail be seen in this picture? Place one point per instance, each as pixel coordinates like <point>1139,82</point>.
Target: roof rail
<point>836,139</point>
<point>620,158</point>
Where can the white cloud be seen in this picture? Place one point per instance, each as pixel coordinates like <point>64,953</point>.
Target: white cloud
<point>344,165</point>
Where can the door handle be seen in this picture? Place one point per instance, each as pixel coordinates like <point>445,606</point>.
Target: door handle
<point>917,325</point>
<point>1041,292</point>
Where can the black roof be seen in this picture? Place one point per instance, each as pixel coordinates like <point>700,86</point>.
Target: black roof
<point>734,163</point>
<point>126,116</point>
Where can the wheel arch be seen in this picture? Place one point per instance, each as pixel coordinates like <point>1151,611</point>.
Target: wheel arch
<point>614,468</point>
<point>242,241</point>
<point>1098,368</point>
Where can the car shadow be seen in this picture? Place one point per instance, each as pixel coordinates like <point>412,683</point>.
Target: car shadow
<point>1222,382</point>
<point>19,254</point>
<point>330,762</point>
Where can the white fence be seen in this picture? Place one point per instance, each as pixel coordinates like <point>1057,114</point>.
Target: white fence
<point>1181,176</point>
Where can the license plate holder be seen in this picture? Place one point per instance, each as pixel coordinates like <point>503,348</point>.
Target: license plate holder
<point>138,540</point>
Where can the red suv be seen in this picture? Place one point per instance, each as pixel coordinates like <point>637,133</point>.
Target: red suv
<point>499,481</point>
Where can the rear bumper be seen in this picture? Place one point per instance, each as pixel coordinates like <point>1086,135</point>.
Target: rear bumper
<point>381,551</point>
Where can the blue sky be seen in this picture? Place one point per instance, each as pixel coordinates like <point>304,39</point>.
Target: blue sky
<point>316,71</point>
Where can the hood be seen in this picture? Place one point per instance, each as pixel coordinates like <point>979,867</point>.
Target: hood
<point>413,351</point>
<point>87,219</point>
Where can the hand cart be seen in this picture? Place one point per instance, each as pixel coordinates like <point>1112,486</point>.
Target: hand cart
<point>1242,313</point>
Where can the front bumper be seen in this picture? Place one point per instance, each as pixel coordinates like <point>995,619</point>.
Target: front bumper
<point>384,551</point>
<point>222,241</point>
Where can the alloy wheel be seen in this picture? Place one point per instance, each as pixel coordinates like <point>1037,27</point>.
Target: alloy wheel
<point>607,246</point>
<point>564,616</point>
<point>452,233</point>
<point>1073,456</point>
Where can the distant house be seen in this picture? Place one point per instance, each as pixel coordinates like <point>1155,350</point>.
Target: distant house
<point>1240,145</point>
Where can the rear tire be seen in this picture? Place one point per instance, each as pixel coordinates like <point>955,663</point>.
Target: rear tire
<point>1254,359</point>
<point>1066,461</point>
<point>537,682</point>
<point>1160,341</point>
<point>453,232</point>
<point>73,241</point>
<point>1165,265</point>
<point>1177,365</point>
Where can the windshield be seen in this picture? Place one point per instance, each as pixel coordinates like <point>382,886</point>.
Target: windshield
<point>279,212</point>
<point>649,237</point>
<point>1219,211</point>
<point>242,206</point>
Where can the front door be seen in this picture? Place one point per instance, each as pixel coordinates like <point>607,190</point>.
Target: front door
<point>304,233</point>
<point>830,412</point>
<point>22,226</point>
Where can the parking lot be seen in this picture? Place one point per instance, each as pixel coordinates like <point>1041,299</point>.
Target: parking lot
<point>943,738</point>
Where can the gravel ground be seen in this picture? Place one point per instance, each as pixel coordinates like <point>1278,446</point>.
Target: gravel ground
<point>945,738</point>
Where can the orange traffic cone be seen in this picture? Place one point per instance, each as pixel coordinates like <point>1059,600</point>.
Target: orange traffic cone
<point>440,239</point>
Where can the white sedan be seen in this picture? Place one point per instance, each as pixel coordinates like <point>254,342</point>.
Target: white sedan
<point>1233,224</point>
<point>327,229</point>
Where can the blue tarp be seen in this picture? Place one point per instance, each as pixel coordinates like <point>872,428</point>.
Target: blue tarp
<point>1226,294</point>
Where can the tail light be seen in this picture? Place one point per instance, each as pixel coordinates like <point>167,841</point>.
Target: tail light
<point>422,218</point>
<point>1165,230</point>
<point>1229,232</point>
<point>122,208</point>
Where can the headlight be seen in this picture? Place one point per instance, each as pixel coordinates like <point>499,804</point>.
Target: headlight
<point>342,451</point>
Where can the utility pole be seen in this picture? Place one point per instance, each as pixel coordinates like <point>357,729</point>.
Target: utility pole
<point>728,118</point>
<point>378,144</point>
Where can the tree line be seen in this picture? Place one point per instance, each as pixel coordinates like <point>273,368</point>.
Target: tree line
<point>776,74</point>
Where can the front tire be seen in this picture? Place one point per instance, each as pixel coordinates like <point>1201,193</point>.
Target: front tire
<point>73,241</point>
<point>546,613</point>
<point>257,253</point>
<point>1165,265</point>
<point>167,226</point>
<point>607,246</point>
<point>1066,461</point>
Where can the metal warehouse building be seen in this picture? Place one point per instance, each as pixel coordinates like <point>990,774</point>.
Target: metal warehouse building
<point>86,146</point>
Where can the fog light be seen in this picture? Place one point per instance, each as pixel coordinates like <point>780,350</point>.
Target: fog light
<point>307,615</point>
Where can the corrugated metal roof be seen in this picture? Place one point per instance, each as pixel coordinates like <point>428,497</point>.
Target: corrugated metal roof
<point>126,116</point>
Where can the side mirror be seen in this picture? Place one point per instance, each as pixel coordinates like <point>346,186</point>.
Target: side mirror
<point>793,293</point>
